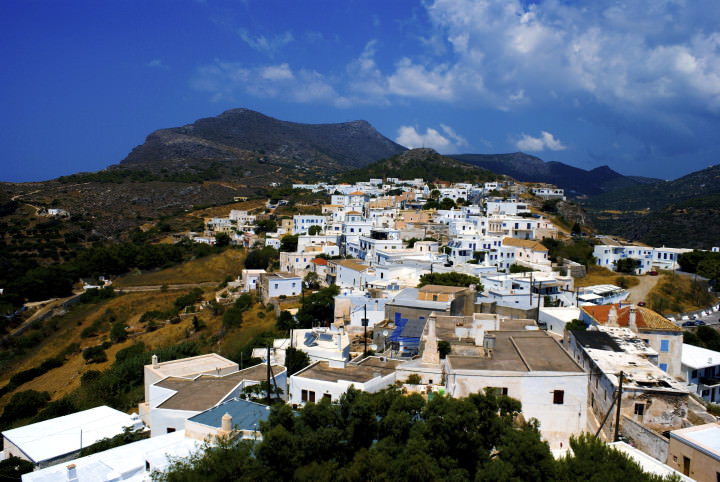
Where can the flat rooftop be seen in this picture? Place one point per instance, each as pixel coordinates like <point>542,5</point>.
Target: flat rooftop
<point>205,391</point>
<point>246,415</point>
<point>192,366</point>
<point>520,351</point>
<point>705,438</point>
<point>363,372</point>
<point>638,372</point>
<point>59,436</point>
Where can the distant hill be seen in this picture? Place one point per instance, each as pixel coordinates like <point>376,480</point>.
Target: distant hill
<point>575,181</point>
<point>679,213</point>
<point>242,134</point>
<point>424,163</point>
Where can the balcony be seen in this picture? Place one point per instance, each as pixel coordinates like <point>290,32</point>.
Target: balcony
<point>710,382</point>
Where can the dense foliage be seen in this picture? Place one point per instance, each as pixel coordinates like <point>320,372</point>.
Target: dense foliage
<point>450,279</point>
<point>392,436</point>
<point>704,263</point>
<point>318,309</point>
<point>704,337</point>
<point>261,258</point>
<point>578,250</point>
<point>427,166</point>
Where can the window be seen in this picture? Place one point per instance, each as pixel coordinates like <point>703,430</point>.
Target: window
<point>170,429</point>
<point>664,346</point>
<point>497,390</point>
<point>663,367</point>
<point>327,396</point>
<point>558,397</point>
<point>311,396</point>
<point>304,396</point>
<point>694,374</point>
<point>276,285</point>
<point>640,409</point>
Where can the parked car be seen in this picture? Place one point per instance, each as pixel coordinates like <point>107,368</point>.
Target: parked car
<point>688,323</point>
<point>653,273</point>
<point>699,323</point>
<point>641,303</point>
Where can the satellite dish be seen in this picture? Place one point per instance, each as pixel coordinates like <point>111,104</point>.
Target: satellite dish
<point>386,333</point>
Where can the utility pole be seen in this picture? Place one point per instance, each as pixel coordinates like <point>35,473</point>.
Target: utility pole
<point>537,314</point>
<point>365,324</point>
<point>268,375</point>
<point>531,286</point>
<point>617,413</point>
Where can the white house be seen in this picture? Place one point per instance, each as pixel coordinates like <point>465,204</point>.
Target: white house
<point>249,279</point>
<point>320,380</point>
<point>302,222</point>
<point>701,370</point>
<point>53,441</point>
<point>531,367</point>
<point>274,285</point>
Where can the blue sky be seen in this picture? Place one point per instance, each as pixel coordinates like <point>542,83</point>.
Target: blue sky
<point>635,86</point>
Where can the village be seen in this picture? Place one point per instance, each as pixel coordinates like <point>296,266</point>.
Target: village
<point>442,290</point>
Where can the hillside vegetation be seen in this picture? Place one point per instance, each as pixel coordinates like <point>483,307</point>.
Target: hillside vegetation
<point>421,163</point>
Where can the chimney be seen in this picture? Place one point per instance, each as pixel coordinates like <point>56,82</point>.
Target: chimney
<point>430,352</point>
<point>613,317</point>
<point>226,425</point>
<point>632,323</point>
<point>72,472</point>
<point>154,361</point>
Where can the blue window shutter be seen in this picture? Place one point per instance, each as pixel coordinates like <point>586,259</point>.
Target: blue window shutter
<point>663,367</point>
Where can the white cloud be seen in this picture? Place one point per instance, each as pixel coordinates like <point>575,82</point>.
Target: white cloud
<point>265,44</point>
<point>277,72</point>
<point>157,64</point>
<point>535,144</point>
<point>409,136</point>
<point>225,80</point>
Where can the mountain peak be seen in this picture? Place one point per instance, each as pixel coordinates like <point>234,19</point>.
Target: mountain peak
<point>237,132</point>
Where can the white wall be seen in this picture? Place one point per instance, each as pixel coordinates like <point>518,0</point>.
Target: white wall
<point>535,391</point>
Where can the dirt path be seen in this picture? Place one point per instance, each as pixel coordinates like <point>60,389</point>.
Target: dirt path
<point>640,292</point>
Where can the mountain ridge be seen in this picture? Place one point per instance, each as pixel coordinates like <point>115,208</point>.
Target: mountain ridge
<point>528,168</point>
<point>239,132</point>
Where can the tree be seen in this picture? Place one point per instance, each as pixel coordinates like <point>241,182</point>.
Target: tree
<point>222,240</point>
<point>261,258</point>
<point>312,280</point>
<point>285,321</point>
<point>314,229</point>
<point>518,268</point>
<point>444,348</point>
<point>318,307</point>
<point>295,360</point>
<point>577,325</point>
<point>24,404</point>
<point>94,354</point>
<point>626,265</point>
<point>233,317</point>
<point>289,243</point>
<point>590,457</point>
<point>431,204</point>
<point>265,226</point>
<point>447,203</point>
<point>118,332</point>
<point>450,279</point>
<point>12,468</point>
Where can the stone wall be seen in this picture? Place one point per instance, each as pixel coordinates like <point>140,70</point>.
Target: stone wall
<point>645,439</point>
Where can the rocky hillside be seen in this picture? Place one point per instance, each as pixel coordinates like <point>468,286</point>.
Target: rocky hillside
<point>236,133</point>
<point>575,181</point>
<point>678,213</point>
<point>425,163</point>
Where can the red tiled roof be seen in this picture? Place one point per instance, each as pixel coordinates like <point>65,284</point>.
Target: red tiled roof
<point>320,261</point>
<point>645,318</point>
